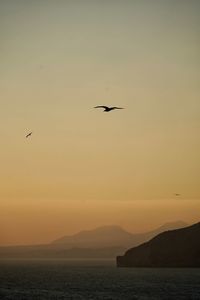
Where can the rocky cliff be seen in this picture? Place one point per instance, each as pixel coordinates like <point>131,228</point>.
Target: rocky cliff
<point>174,248</point>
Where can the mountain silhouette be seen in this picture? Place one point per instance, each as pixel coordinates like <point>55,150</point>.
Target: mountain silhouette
<point>112,236</point>
<point>174,248</point>
<point>105,236</point>
<point>102,242</point>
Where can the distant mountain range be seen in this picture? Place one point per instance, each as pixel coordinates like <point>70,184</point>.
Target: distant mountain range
<point>173,248</point>
<point>102,242</point>
<point>111,236</point>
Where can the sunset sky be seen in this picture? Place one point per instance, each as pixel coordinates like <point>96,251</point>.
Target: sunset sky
<point>83,168</point>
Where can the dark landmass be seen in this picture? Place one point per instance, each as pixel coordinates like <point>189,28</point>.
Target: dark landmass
<point>102,242</point>
<point>174,248</point>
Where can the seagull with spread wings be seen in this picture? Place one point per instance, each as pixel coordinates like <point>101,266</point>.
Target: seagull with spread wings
<point>107,109</point>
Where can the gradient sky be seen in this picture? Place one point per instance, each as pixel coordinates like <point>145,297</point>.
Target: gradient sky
<point>83,168</point>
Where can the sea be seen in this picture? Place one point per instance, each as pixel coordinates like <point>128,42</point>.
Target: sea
<point>94,279</point>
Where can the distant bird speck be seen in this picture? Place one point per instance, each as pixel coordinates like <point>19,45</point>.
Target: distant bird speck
<point>176,194</point>
<point>107,109</point>
<point>29,134</point>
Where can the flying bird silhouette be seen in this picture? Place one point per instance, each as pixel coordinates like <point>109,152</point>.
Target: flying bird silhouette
<point>107,109</point>
<point>176,194</point>
<point>29,134</point>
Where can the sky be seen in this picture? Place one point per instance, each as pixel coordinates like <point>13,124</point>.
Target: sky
<point>83,168</point>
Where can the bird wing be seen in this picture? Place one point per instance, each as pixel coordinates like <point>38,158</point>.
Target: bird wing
<point>28,134</point>
<point>115,107</point>
<point>101,106</point>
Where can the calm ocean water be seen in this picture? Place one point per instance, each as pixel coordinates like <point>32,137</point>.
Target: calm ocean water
<point>100,280</point>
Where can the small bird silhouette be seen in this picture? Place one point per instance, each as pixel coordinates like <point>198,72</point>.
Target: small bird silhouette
<point>107,109</point>
<point>29,134</point>
<point>176,194</point>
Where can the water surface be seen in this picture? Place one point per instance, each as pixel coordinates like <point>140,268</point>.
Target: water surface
<point>77,280</point>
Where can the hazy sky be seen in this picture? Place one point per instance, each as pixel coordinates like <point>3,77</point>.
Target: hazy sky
<point>83,168</point>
